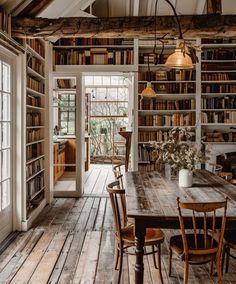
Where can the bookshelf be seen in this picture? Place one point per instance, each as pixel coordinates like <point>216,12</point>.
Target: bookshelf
<point>174,105</point>
<point>35,108</point>
<point>218,98</point>
<point>93,52</point>
<point>203,99</point>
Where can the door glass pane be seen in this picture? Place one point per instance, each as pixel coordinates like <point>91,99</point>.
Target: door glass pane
<point>5,193</point>
<point>6,107</point>
<point>6,77</point>
<point>6,131</point>
<point>5,164</point>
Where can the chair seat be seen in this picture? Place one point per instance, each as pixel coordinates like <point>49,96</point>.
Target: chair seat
<point>153,236</point>
<point>230,238</point>
<point>176,244</point>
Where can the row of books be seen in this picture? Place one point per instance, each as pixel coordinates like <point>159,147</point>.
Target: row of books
<point>170,88</point>
<point>219,54</point>
<point>146,154</point>
<point>35,85</point>
<point>33,119</point>
<point>177,119</point>
<point>66,84</point>
<point>33,135</point>
<point>93,41</point>
<point>34,150</point>
<point>34,185</point>
<point>33,100</point>
<point>36,45</point>
<point>219,117</point>
<point>161,135</point>
<point>210,66</point>
<point>149,167</point>
<point>155,104</point>
<point>152,58</point>
<point>218,40</point>
<point>220,137</point>
<point>218,76</point>
<point>163,75</point>
<point>100,56</point>
<point>218,88</point>
<point>35,64</point>
<point>219,103</point>
<point>34,167</point>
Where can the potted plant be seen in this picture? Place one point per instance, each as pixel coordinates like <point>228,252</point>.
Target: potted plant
<point>180,153</point>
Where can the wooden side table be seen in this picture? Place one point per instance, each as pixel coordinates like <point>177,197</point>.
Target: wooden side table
<point>127,135</point>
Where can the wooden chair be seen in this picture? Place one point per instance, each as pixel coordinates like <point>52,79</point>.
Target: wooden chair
<point>216,168</point>
<point>199,245</point>
<point>226,175</point>
<point>124,233</point>
<point>230,243</point>
<point>118,174</point>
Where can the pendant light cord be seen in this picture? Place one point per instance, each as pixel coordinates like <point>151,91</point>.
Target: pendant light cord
<point>177,18</point>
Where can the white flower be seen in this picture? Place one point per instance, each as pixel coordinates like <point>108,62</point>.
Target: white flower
<point>178,151</point>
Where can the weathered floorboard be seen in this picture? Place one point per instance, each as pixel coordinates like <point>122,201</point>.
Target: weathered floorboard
<point>73,241</point>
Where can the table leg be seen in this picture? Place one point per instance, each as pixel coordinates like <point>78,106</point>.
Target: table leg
<point>139,251</point>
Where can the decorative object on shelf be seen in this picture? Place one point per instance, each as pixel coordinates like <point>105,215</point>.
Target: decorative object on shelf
<point>185,178</point>
<point>179,152</point>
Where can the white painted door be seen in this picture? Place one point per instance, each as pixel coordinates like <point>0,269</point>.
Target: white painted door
<point>6,206</point>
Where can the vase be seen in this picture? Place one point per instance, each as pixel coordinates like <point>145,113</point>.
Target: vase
<point>169,172</point>
<point>185,178</point>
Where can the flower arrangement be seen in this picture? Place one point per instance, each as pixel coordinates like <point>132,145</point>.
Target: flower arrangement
<point>178,151</point>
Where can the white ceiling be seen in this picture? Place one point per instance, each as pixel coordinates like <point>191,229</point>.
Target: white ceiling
<point>119,8</point>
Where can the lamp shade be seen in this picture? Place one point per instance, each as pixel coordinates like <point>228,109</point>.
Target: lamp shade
<point>148,91</point>
<point>179,60</point>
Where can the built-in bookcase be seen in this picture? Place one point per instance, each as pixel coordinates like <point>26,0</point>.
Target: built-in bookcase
<point>218,100</point>
<point>202,99</point>
<point>174,105</point>
<point>35,130</point>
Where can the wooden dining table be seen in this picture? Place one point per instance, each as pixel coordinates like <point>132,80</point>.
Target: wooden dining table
<point>151,202</point>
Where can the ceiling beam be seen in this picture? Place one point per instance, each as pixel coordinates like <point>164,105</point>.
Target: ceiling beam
<point>129,27</point>
<point>214,7</point>
<point>135,7</point>
<point>30,8</point>
<point>200,6</point>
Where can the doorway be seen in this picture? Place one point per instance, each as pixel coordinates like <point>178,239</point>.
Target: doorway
<point>88,110</point>
<point>110,100</point>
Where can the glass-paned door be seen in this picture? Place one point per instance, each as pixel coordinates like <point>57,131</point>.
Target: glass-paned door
<point>64,137</point>
<point>5,150</point>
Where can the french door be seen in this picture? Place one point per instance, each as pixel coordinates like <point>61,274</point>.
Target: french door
<point>6,207</point>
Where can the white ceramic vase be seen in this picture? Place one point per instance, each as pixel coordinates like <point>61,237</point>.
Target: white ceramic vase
<point>185,178</point>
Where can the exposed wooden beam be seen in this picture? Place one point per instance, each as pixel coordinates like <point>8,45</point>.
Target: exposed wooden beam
<point>192,26</point>
<point>34,8</point>
<point>214,7</point>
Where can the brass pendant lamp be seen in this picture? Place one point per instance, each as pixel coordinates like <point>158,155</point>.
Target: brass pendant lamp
<point>179,59</point>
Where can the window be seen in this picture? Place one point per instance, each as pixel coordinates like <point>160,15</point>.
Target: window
<point>66,113</point>
<point>5,135</point>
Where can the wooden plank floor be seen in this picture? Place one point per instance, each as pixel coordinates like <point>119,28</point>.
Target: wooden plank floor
<point>72,242</point>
